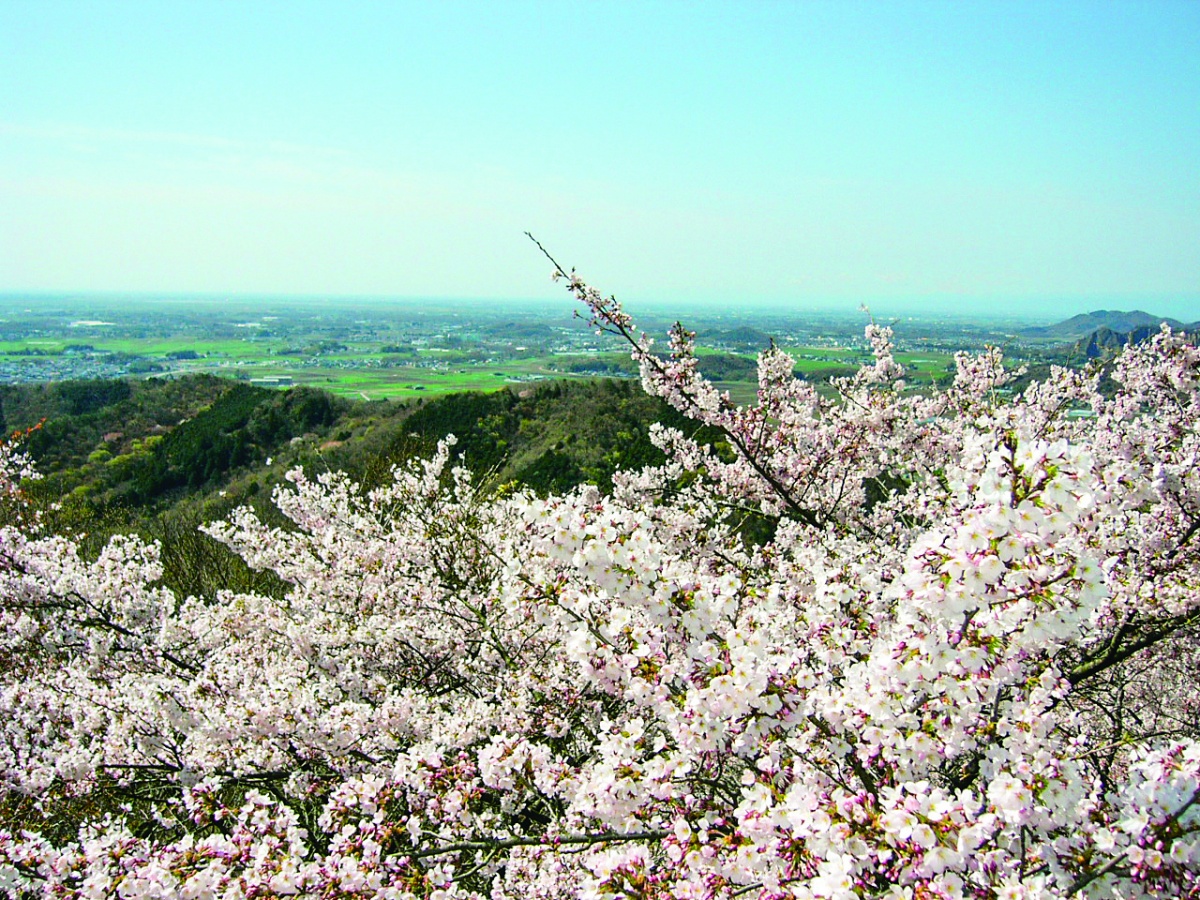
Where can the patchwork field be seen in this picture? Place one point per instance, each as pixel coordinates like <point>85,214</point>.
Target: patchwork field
<point>398,350</point>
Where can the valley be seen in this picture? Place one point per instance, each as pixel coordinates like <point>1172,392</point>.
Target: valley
<point>374,350</point>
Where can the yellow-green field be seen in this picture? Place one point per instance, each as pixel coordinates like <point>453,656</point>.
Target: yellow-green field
<point>357,370</point>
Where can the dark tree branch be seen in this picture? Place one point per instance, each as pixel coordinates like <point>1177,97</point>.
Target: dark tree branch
<point>605,837</point>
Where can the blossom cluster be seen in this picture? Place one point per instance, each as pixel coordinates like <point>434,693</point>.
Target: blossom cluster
<point>954,657</point>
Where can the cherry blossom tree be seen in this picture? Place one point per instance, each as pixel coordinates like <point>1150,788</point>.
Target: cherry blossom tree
<point>955,657</point>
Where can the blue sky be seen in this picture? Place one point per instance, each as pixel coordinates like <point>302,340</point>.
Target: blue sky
<point>1023,156</point>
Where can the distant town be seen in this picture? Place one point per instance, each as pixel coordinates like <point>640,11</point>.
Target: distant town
<point>377,349</point>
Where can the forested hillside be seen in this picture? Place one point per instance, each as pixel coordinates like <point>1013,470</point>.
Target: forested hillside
<point>161,457</point>
<point>129,451</point>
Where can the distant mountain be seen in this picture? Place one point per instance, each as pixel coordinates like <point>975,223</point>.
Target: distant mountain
<point>522,331</point>
<point>743,338</point>
<point>1117,321</point>
<point>1105,342</point>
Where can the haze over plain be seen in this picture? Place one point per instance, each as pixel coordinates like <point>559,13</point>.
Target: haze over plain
<point>1039,158</point>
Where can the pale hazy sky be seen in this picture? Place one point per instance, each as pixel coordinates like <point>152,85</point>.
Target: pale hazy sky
<point>1037,155</point>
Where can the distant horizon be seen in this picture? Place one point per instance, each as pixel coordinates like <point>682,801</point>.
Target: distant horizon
<point>979,309</point>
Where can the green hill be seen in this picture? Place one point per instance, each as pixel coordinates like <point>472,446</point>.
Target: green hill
<point>134,449</point>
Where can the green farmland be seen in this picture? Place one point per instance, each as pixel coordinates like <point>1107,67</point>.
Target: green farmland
<point>397,350</point>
